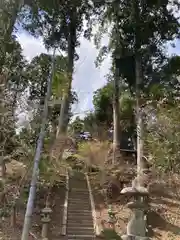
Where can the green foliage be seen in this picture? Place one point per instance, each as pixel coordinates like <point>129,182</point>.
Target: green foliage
<point>103,104</point>
<point>151,24</point>
<point>38,74</point>
<point>8,15</point>
<point>76,126</point>
<point>49,20</point>
<point>60,83</point>
<point>7,122</point>
<point>5,212</point>
<point>110,234</point>
<point>163,138</point>
<point>173,66</point>
<point>38,71</point>
<point>102,100</point>
<point>15,68</point>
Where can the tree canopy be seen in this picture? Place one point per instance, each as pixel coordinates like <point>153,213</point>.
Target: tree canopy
<point>140,96</point>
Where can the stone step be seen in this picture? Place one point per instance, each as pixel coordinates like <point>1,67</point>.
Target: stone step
<point>84,237</point>
<point>70,237</point>
<point>78,186</point>
<point>76,195</point>
<point>77,208</point>
<point>73,196</point>
<point>81,221</point>
<point>77,179</point>
<point>78,192</point>
<point>78,217</point>
<point>79,238</point>
<point>76,214</point>
<point>78,224</point>
<point>78,189</point>
<point>77,175</point>
<point>79,201</point>
<point>82,224</point>
<point>79,198</point>
<point>80,180</point>
<point>74,217</point>
<point>88,231</point>
<point>78,233</point>
<point>80,211</point>
<point>79,205</point>
<point>80,228</point>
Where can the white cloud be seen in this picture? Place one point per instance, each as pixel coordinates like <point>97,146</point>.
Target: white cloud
<point>30,45</point>
<point>174,49</point>
<point>87,78</point>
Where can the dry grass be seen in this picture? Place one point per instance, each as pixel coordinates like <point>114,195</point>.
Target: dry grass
<point>94,153</point>
<point>9,232</point>
<point>164,216</point>
<point>164,194</point>
<point>164,188</point>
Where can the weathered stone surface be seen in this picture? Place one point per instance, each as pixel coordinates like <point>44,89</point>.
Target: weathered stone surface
<point>145,165</point>
<point>137,205</point>
<point>126,237</point>
<point>131,191</point>
<point>79,215</point>
<point>137,225</point>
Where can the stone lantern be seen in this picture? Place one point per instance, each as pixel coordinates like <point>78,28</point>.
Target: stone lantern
<point>137,226</point>
<point>45,222</point>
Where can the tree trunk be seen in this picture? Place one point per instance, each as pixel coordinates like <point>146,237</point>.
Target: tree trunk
<point>116,118</point>
<point>7,27</point>
<point>32,192</point>
<point>65,105</point>
<point>61,128</point>
<point>140,142</point>
<point>139,81</point>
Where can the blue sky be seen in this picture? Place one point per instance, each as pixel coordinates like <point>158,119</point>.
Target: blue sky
<point>87,78</point>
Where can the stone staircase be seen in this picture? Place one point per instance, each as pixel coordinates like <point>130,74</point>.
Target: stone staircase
<point>79,213</point>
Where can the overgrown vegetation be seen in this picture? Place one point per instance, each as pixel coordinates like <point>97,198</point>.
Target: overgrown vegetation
<point>141,92</point>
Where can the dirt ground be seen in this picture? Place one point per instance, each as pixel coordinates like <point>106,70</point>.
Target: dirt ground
<point>7,232</point>
<point>164,215</point>
<point>57,208</point>
<point>14,233</point>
